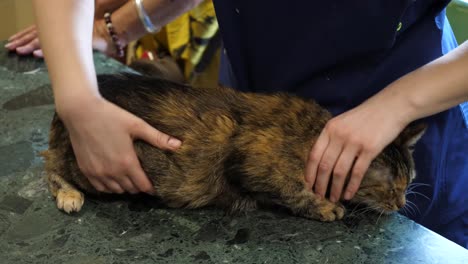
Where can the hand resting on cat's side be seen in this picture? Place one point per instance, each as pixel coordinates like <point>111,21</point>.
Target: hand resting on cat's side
<point>239,150</point>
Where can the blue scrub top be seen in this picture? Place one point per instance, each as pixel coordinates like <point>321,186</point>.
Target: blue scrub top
<point>341,53</point>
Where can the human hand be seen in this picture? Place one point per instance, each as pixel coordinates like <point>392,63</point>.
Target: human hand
<point>25,42</point>
<point>102,136</point>
<point>348,144</point>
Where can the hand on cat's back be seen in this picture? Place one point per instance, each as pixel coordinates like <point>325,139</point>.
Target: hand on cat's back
<point>102,136</point>
<point>346,147</point>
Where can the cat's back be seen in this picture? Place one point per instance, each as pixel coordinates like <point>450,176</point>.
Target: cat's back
<point>173,108</point>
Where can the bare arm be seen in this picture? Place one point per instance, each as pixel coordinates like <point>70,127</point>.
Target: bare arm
<point>350,141</point>
<point>66,34</point>
<point>433,88</point>
<point>101,133</point>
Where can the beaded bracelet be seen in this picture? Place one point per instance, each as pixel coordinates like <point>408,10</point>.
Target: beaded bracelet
<point>115,39</point>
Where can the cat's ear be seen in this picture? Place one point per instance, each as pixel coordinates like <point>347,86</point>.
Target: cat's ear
<point>411,134</point>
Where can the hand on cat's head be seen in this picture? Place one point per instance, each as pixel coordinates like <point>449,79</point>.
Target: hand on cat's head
<point>386,182</point>
<point>346,147</point>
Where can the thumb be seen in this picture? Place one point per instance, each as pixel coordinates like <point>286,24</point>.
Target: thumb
<point>155,137</point>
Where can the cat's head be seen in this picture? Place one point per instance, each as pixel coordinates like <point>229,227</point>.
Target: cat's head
<point>384,185</point>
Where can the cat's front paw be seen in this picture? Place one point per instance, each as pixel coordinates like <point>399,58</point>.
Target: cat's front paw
<point>329,211</point>
<point>69,200</point>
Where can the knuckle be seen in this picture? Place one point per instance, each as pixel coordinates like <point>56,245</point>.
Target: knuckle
<point>369,148</point>
<point>35,43</point>
<point>99,172</point>
<point>324,166</point>
<point>330,126</point>
<point>99,188</point>
<point>352,186</point>
<point>137,124</point>
<point>126,161</point>
<point>334,125</point>
<point>314,157</point>
<point>358,174</point>
<point>83,169</point>
<point>339,173</point>
<point>356,141</point>
<point>162,138</point>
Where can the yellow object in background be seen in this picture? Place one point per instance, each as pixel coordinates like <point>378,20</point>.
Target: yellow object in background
<point>193,40</point>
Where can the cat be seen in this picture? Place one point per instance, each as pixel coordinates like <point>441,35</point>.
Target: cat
<point>239,150</point>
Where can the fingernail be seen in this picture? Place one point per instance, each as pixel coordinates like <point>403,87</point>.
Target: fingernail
<point>174,143</point>
<point>333,199</point>
<point>347,195</point>
<point>8,45</point>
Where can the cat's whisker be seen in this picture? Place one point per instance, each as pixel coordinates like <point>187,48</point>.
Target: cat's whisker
<point>359,211</point>
<point>418,193</point>
<point>381,213</point>
<point>408,210</point>
<point>405,210</point>
<point>414,208</point>
<point>366,209</point>
<point>419,184</point>
<point>416,185</point>
<point>411,209</point>
<point>411,204</point>
<point>355,207</point>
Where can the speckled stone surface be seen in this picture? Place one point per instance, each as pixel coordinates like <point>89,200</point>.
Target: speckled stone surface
<point>138,230</point>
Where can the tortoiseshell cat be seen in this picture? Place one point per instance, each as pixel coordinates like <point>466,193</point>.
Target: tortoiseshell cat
<point>239,149</point>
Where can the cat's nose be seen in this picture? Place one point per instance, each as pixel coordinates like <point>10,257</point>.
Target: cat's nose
<point>401,202</point>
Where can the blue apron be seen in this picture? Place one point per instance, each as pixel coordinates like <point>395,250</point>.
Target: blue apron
<point>342,52</point>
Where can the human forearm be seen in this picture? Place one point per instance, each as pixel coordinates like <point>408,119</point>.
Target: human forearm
<point>430,89</point>
<point>128,25</point>
<point>350,141</point>
<point>65,31</point>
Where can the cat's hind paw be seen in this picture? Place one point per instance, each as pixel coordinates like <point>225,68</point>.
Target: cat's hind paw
<point>69,200</point>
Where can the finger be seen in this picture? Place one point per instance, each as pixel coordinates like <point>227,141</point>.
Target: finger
<point>28,48</point>
<point>127,185</point>
<point>155,137</point>
<point>140,180</point>
<point>359,169</point>
<point>99,186</point>
<point>22,33</point>
<point>24,40</point>
<point>315,156</point>
<point>113,186</point>
<point>341,171</point>
<point>326,165</point>
<point>38,53</point>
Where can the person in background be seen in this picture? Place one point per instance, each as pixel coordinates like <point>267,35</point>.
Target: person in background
<point>378,66</point>
<point>192,39</point>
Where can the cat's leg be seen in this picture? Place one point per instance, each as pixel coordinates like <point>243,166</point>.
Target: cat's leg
<point>306,204</point>
<point>68,197</point>
<point>292,194</point>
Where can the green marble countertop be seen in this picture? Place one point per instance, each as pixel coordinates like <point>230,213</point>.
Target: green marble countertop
<point>136,230</point>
